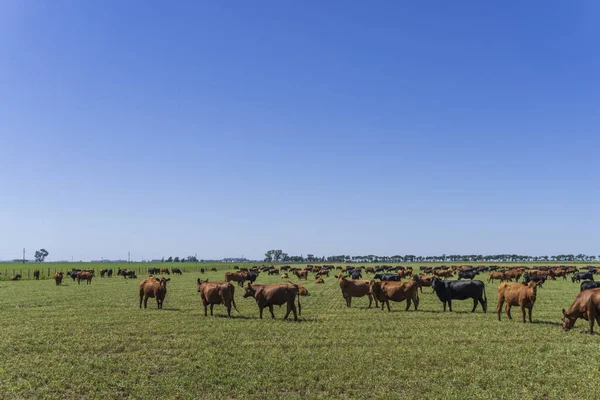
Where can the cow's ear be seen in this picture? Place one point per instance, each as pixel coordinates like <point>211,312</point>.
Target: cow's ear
<point>199,281</point>
<point>168,279</point>
<point>564,312</point>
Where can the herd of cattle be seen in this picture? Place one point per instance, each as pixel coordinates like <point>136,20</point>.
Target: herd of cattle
<point>384,286</point>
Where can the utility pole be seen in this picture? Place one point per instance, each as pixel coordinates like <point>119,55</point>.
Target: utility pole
<point>129,256</point>
<point>23,255</point>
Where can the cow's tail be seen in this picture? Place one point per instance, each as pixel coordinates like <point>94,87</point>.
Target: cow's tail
<point>484,298</point>
<point>299,305</point>
<point>233,298</point>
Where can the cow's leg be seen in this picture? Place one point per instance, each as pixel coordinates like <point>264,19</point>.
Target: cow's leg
<point>228,305</point>
<point>523,312</point>
<point>294,311</point>
<point>158,303</point>
<point>211,309</point>
<point>450,305</point>
<point>206,310</point>
<point>483,303</point>
<point>145,301</point>
<point>444,306</point>
<point>507,309</point>
<point>271,311</point>
<point>408,302</point>
<point>260,311</point>
<point>370,299</point>
<point>416,302</point>
<point>499,306</point>
<point>474,304</point>
<point>349,300</point>
<point>141,299</point>
<point>530,308</point>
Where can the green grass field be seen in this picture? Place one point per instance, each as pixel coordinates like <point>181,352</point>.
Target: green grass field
<point>78,341</point>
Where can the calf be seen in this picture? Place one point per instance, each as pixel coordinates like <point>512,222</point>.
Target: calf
<point>155,288</point>
<point>516,294</point>
<point>212,293</point>
<point>586,306</point>
<point>460,290</point>
<point>395,291</point>
<point>275,294</point>
<point>284,276</point>
<point>580,276</point>
<point>15,277</point>
<point>352,289</point>
<point>58,277</point>
<point>36,274</point>
<point>586,285</point>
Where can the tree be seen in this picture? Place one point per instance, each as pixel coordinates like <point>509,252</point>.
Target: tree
<point>41,255</point>
<point>170,259</point>
<point>269,256</point>
<point>176,259</point>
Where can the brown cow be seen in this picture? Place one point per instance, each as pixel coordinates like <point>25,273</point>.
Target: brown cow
<point>516,294</point>
<point>213,269</point>
<point>165,271</point>
<point>586,306</point>
<point>302,291</point>
<point>323,272</point>
<point>275,294</point>
<point>370,270</point>
<point>497,275</point>
<point>36,274</point>
<point>155,288</point>
<point>84,276</point>
<point>212,293</point>
<point>513,274</point>
<point>301,274</point>
<point>319,280</point>
<point>405,273</point>
<point>424,280</point>
<point>238,277</point>
<point>284,276</point>
<point>395,291</point>
<point>356,288</point>
<point>58,276</point>
<point>445,273</point>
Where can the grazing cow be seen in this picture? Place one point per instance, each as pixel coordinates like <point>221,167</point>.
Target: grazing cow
<point>284,276</point>
<point>58,277</point>
<point>319,280</point>
<point>213,269</point>
<point>238,277</point>
<point>176,271</point>
<point>212,293</point>
<point>586,306</point>
<point>460,290</point>
<point>110,272</point>
<point>153,271</point>
<point>102,273</point>
<point>352,289</point>
<point>84,276</point>
<point>15,277</point>
<point>395,291</point>
<point>127,273</point>
<point>424,280</point>
<point>252,276</point>
<point>285,268</point>
<point>497,275</point>
<point>517,294</point>
<point>273,271</point>
<point>201,270</point>
<point>323,272</point>
<point>303,274</point>
<point>275,294</point>
<point>404,273</point>
<point>586,285</point>
<point>538,278</point>
<point>447,273</point>
<point>36,274</point>
<point>388,277</point>
<point>356,274</point>
<point>155,288</point>
<point>165,271</point>
<point>467,275</point>
<point>370,270</point>
<point>580,276</point>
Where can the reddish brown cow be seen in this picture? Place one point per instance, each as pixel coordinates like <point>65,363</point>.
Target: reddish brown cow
<point>445,273</point>
<point>212,293</point>
<point>85,276</point>
<point>165,271</point>
<point>356,288</point>
<point>586,306</point>
<point>405,273</point>
<point>513,274</point>
<point>275,294</point>
<point>302,291</point>
<point>36,274</point>
<point>238,277</point>
<point>302,274</point>
<point>516,294</point>
<point>370,270</point>
<point>155,288</point>
<point>58,277</point>
<point>395,291</point>
<point>319,280</point>
<point>496,275</point>
<point>323,272</point>
<point>213,269</point>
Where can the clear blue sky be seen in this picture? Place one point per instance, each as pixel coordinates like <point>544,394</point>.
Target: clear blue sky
<point>230,128</point>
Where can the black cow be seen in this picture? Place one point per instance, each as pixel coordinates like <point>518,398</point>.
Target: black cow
<point>176,271</point>
<point>356,274</point>
<point>460,290</point>
<point>535,278</point>
<point>388,277</point>
<point>467,275</point>
<point>589,285</point>
<point>73,274</point>
<point>582,276</point>
<point>153,271</point>
<point>110,272</point>
<point>251,276</point>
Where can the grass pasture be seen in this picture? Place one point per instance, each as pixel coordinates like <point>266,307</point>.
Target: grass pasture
<point>79,341</point>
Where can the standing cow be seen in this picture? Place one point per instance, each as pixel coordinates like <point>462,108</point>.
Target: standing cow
<point>212,293</point>
<point>460,290</point>
<point>275,294</point>
<point>155,288</point>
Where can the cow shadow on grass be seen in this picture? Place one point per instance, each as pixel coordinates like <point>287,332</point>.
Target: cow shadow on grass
<point>547,323</point>
<point>233,316</point>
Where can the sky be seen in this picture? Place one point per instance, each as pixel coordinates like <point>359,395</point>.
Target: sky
<point>323,127</point>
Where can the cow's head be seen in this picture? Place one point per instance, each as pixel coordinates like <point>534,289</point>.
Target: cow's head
<point>199,284</point>
<point>163,281</point>
<point>249,291</point>
<point>567,322</point>
<point>436,282</point>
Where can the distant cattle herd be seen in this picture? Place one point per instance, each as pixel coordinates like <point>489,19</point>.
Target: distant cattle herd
<point>385,285</point>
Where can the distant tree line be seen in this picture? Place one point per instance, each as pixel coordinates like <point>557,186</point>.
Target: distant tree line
<point>182,259</point>
<point>280,256</point>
